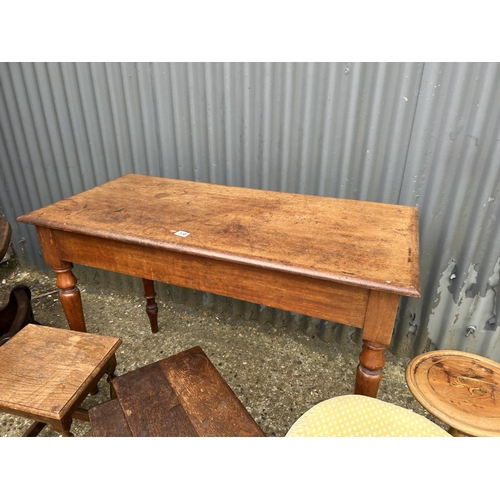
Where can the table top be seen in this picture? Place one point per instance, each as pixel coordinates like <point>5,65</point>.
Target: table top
<point>460,388</point>
<point>372,245</point>
<point>44,370</point>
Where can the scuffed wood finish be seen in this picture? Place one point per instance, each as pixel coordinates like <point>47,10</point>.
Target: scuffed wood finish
<point>180,396</point>
<point>373,245</point>
<point>107,420</point>
<point>345,261</point>
<point>460,388</point>
<point>47,372</point>
<point>300,294</point>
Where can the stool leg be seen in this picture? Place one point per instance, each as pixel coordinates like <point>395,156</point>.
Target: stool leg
<point>34,429</point>
<point>110,370</point>
<point>151,307</point>
<point>63,426</point>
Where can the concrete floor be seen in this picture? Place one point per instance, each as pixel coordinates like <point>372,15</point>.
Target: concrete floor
<point>278,374</point>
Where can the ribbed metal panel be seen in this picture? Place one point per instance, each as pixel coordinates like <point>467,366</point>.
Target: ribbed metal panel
<point>453,175</point>
<point>408,133</point>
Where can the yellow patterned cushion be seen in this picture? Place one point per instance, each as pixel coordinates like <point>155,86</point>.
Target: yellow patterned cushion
<point>362,416</point>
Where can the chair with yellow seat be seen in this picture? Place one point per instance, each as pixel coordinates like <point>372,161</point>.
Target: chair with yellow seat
<point>362,416</point>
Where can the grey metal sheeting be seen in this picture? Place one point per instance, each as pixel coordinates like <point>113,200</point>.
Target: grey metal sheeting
<point>408,133</point>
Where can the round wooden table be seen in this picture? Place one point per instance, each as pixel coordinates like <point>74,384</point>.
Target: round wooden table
<point>459,388</point>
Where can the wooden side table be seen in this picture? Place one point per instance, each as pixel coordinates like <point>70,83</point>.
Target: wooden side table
<point>460,388</point>
<point>46,373</point>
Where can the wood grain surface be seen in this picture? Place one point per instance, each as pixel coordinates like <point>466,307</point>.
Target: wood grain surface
<point>460,388</point>
<point>45,371</point>
<point>180,396</point>
<point>365,244</point>
<point>290,292</point>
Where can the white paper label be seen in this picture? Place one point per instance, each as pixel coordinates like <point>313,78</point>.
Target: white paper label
<point>182,233</point>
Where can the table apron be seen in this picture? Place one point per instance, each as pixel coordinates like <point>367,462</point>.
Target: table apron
<point>319,298</point>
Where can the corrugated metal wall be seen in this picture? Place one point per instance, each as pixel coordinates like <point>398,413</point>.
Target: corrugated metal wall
<point>409,133</point>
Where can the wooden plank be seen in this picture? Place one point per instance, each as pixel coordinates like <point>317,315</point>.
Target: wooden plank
<point>150,405</point>
<point>290,292</point>
<point>356,242</point>
<point>212,406</point>
<point>107,420</point>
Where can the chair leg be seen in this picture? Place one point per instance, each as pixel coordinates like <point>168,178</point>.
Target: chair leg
<point>151,306</point>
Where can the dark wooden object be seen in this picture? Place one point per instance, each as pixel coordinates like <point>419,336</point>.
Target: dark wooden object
<point>46,373</point>
<point>151,307</point>
<point>340,260</point>
<point>5,235</point>
<point>16,314</point>
<point>183,395</point>
<point>460,388</point>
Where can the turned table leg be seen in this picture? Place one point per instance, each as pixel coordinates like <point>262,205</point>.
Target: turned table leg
<point>151,307</point>
<point>377,335</point>
<point>369,371</point>
<point>70,297</point>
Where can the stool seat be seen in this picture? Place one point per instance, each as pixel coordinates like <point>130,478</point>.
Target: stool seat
<point>179,396</point>
<point>45,373</point>
<point>460,388</point>
<point>362,416</point>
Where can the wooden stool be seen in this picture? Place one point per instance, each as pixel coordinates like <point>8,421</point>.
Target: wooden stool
<point>183,395</point>
<point>46,373</point>
<point>459,388</point>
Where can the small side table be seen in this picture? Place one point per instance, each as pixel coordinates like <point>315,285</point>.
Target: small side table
<point>46,373</point>
<point>460,388</point>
